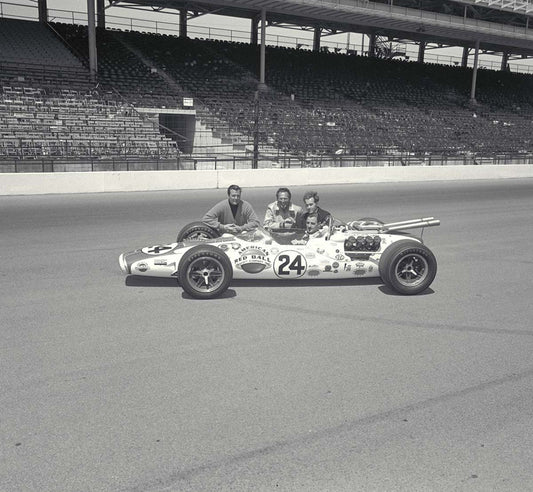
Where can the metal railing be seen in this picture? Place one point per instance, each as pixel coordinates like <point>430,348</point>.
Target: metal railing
<point>280,161</point>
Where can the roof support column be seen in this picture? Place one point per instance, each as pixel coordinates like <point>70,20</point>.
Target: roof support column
<point>421,51</point>
<point>505,60</point>
<point>100,14</point>
<point>254,31</point>
<point>263,50</point>
<point>316,39</point>
<point>464,61</point>
<point>183,23</point>
<point>43,11</point>
<point>93,62</point>
<point>372,45</point>
<point>474,74</point>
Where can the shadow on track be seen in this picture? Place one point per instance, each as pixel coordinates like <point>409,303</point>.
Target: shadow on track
<point>141,281</point>
<point>389,292</point>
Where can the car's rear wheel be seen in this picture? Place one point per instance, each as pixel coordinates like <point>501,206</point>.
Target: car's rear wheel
<point>205,272</point>
<point>408,267</point>
<point>197,231</point>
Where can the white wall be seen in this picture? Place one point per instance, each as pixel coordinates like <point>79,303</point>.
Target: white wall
<point>97,182</point>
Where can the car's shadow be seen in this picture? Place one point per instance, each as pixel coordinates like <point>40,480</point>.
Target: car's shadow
<point>140,281</point>
<point>389,292</point>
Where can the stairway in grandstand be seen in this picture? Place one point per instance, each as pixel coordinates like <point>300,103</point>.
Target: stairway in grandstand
<point>211,135</point>
<point>143,83</point>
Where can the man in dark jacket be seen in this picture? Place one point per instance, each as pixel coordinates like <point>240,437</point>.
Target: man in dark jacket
<point>311,199</point>
<point>232,215</point>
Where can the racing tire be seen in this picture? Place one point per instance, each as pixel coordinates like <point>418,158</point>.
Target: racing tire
<point>205,272</point>
<point>408,267</point>
<point>197,231</point>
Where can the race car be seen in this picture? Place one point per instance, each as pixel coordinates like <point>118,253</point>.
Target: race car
<point>204,263</point>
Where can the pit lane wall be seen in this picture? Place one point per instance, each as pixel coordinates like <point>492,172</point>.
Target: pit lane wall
<point>98,182</point>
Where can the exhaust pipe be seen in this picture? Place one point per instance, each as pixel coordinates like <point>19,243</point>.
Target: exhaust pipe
<point>392,224</point>
<point>412,225</point>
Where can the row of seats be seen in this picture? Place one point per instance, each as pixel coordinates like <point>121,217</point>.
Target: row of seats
<point>313,103</point>
<point>74,125</point>
<point>322,103</point>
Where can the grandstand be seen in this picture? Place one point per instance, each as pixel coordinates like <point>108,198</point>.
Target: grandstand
<point>301,108</point>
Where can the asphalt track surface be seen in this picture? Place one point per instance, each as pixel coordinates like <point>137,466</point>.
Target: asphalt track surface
<point>124,383</point>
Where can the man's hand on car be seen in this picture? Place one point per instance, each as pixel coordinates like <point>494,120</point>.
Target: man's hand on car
<point>232,228</point>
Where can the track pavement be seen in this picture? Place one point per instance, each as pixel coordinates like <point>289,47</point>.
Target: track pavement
<point>114,383</point>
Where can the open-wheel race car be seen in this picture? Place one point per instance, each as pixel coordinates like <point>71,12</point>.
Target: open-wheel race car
<point>204,263</point>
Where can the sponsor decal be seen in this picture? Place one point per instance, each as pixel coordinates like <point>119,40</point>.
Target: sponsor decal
<point>371,268</point>
<point>327,268</point>
<point>347,267</point>
<point>157,250</point>
<point>360,271</point>
<point>320,251</point>
<point>253,259</point>
<point>141,267</point>
<point>337,251</point>
<point>313,272</point>
<point>309,255</point>
<point>223,247</point>
<point>290,264</point>
<point>359,264</point>
<point>235,245</point>
<point>339,257</point>
<point>335,265</point>
<point>160,262</point>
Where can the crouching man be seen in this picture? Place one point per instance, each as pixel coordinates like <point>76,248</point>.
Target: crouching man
<point>232,215</point>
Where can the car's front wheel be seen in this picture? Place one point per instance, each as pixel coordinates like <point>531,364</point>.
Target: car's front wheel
<point>408,267</point>
<point>205,272</point>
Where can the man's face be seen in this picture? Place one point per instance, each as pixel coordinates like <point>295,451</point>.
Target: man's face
<point>234,197</point>
<point>311,224</point>
<point>310,205</point>
<point>283,200</point>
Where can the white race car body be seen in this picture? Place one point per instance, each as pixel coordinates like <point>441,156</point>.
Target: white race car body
<point>341,252</point>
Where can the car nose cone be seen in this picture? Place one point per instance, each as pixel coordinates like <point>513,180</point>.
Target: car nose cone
<point>123,264</point>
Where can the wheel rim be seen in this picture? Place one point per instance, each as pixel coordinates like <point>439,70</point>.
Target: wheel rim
<point>205,274</point>
<point>411,270</point>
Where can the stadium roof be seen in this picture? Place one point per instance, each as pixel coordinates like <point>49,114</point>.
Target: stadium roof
<point>500,26</point>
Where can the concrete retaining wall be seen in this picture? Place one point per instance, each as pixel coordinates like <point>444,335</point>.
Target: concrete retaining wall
<point>97,182</point>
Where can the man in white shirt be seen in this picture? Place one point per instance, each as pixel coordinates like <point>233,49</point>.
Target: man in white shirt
<point>282,214</point>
